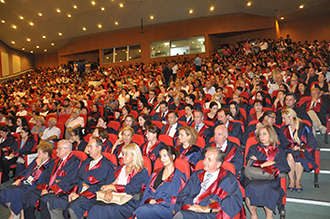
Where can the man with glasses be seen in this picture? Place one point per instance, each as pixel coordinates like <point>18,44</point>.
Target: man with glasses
<point>94,172</point>
<point>59,179</point>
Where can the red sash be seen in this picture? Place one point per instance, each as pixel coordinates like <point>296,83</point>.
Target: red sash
<point>145,147</point>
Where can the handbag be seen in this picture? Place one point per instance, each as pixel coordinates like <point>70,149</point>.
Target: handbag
<point>256,173</point>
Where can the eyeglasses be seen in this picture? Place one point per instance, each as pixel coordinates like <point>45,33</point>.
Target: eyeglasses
<point>60,148</point>
<point>272,117</point>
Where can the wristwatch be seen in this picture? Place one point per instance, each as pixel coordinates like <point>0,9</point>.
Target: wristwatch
<point>211,210</point>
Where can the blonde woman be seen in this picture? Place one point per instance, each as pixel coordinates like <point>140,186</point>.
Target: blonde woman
<point>39,127</point>
<point>300,151</point>
<point>130,177</point>
<point>125,138</point>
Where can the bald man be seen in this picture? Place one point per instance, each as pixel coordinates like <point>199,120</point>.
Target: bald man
<point>233,152</point>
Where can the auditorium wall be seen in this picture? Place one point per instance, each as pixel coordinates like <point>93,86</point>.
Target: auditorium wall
<point>46,60</point>
<point>26,59</point>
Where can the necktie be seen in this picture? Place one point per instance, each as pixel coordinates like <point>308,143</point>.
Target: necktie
<point>197,128</point>
<point>204,186</point>
<point>53,177</point>
<point>169,130</point>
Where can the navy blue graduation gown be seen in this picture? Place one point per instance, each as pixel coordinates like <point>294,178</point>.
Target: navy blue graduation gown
<point>224,194</point>
<point>153,152</point>
<point>165,195</point>
<point>137,182</point>
<point>101,174</point>
<point>266,192</point>
<point>11,193</point>
<point>192,154</point>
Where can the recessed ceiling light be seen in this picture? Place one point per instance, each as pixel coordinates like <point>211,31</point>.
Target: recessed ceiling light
<point>191,11</point>
<point>40,14</point>
<point>37,47</point>
<point>3,1</point>
<point>100,25</point>
<point>28,39</point>
<point>3,21</point>
<point>31,51</point>
<point>211,8</point>
<point>31,23</point>
<point>58,10</point>
<point>23,48</point>
<point>21,17</point>
<point>60,34</point>
<point>249,4</point>
<point>84,28</point>
<point>69,15</point>
<point>45,50</point>
<point>52,44</point>
<point>282,18</point>
<point>151,17</point>
<point>14,26</point>
<point>44,36</point>
<point>301,6</point>
<point>102,8</point>
<point>121,5</point>
<point>93,2</point>
<point>75,7</point>
<point>13,42</point>
<point>116,23</point>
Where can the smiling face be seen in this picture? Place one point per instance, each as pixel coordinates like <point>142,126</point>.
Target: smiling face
<point>210,162</point>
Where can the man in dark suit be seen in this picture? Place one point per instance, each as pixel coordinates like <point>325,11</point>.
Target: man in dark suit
<point>234,129</point>
<point>203,130</point>
<point>162,115</point>
<point>172,127</point>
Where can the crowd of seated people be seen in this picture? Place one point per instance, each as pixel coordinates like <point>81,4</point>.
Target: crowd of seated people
<point>276,94</point>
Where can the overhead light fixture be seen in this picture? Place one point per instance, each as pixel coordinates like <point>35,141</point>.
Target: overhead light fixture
<point>121,5</point>
<point>102,8</point>
<point>84,28</point>
<point>40,14</point>
<point>23,48</point>
<point>282,18</point>
<point>28,39</point>
<point>31,23</point>
<point>14,26</point>
<point>191,11</point>
<point>37,47</point>
<point>100,25</point>
<point>69,15</point>
<point>301,6</point>
<point>52,44</point>
<point>249,4</point>
<point>21,17</point>
<point>13,42</point>
<point>3,1</point>
<point>212,8</point>
<point>3,21</point>
<point>44,36</point>
<point>75,7</point>
<point>45,50</point>
<point>93,2</point>
<point>151,17</point>
<point>58,10</point>
<point>116,23</point>
<point>31,51</point>
<point>60,34</point>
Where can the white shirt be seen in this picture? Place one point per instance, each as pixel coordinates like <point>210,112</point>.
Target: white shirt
<point>94,162</point>
<point>21,113</point>
<point>213,178</point>
<point>122,178</point>
<point>210,91</point>
<point>223,147</point>
<point>79,120</point>
<point>200,126</point>
<point>173,130</point>
<point>50,132</point>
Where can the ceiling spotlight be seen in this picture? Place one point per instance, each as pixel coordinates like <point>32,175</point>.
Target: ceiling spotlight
<point>58,10</point>
<point>31,23</point>
<point>102,8</point>
<point>75,7</point>
<point>60,34</point>
<point>37,47</point>
<point>40,14</point>
<point>93,2</point>
<point>28,39</point>
<point>116,23</point>
<point>121,5</point>
<point>52,44</point>
<point>31,51</point>
<point>282,18</point>
<point>44,36</point>
<point>84,28</point>
<point>45,50</point>
<point>211,8</point>
<point>100,25</point>
<point>151,17</point>
<point>12,42</point>
<point>69,15</point>
<point>249,4</point>
<point>3,21</point>
<point>23,48</point>
<point>191,11</point>
<point>3,1</point>
<point>21,17</point>
<point>14,26</point>
<point>301,6</point>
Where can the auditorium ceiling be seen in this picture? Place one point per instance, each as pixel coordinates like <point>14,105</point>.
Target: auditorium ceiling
<point>47,25</point>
